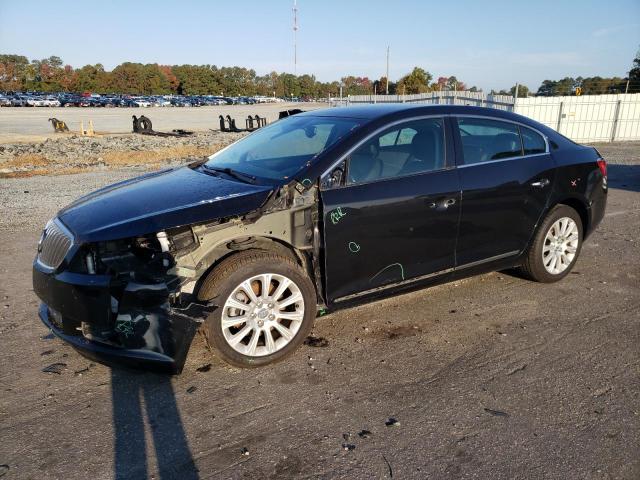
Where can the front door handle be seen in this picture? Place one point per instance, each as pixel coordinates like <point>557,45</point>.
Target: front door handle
<point>442,204</point>
<point>543,182</point>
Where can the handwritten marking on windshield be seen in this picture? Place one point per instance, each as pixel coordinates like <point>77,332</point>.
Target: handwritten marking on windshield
<point>336,215</point>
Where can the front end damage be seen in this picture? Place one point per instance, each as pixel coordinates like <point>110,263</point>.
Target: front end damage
<point>120,301</point>
<point>134,301</point>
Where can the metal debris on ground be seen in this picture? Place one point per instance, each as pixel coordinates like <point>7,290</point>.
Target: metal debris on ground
<point>392,422</point>
<point>319,342</point>
<point>144,126</point>
<point>47,352</point>
<point>55,368</point>
<point>192,389</point>
<point>517,369</point>
<point>389,466</point>
<point>364,433</point>
<point>348,446</point>
<point>204,368</point>
<point>255,122</point>
<point>244,451</point>
<point>59,126</point>
<point>84,370</point>
<point>496,413</point>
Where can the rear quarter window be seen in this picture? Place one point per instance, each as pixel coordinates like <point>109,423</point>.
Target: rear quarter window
<point>532,142</point>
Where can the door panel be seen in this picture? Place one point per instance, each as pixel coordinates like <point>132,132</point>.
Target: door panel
<point>388,231</point>
<point>500,207</point>
<point>502,200</point>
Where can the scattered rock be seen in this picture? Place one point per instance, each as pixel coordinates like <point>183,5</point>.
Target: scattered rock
<point>47,352</point>
<point>312,341</point>
<point>392,422</point>
<point>204,368</point>
<point>364,433</point>
<point>55,368</point>
<point>192,389</point>
<point>348,446</point>
<point>244,451</point>
<point>601,391</point>
<point>4,468</point>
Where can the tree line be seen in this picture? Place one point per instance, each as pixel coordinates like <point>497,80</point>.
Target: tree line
<point>17,73</point>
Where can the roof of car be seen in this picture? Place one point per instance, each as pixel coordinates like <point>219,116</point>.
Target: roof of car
<point>373,111</point>
<point>396,111</point>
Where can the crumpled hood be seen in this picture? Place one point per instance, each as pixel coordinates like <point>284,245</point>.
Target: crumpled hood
<point>158,201</point>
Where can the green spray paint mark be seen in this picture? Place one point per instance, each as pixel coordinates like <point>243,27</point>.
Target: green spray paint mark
<point>336,215</point>
<point>354,247</point>
<point>399,265</point>
<point>124,325</point>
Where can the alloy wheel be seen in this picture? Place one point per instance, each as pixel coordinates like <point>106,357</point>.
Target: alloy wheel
<point>560,245</point>
<point>262,314</point>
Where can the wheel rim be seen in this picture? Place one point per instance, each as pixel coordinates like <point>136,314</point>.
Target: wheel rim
<point>560,245</point>
<point>262,315</point>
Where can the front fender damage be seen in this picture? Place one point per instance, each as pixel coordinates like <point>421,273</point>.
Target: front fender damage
<point>155,278</point>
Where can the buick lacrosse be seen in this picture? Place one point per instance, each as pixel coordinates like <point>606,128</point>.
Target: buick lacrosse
<point>319,210</point>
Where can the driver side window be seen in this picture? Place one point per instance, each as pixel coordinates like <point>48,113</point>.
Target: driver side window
<point>406,149</point>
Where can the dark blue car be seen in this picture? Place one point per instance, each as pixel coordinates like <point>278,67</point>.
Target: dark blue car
<point>319,210</point>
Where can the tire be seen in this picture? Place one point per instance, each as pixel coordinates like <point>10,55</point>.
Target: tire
<point>551,241</point>
<point>258,308</point>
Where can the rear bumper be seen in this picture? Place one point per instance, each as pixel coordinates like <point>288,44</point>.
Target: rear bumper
<point>134,325</point>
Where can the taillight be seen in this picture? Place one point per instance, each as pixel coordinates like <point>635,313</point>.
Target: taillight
<point>602,165</point>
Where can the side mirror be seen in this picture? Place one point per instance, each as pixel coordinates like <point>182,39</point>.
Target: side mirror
<point>334,179</point>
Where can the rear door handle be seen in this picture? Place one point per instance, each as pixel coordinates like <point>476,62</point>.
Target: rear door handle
<point>543,182</point>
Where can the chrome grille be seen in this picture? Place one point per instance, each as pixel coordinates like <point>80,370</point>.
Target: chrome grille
<point>54,244</point>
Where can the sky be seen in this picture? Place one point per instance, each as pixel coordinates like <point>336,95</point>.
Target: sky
<point>490,44</point>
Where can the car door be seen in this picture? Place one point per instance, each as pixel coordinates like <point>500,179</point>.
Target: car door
<point>506,175</point>
<point>394,217</point>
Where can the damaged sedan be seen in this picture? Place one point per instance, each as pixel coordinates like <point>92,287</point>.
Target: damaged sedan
<point>319,210</point>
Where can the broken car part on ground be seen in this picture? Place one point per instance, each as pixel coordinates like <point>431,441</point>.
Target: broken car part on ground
<point>319,210</point>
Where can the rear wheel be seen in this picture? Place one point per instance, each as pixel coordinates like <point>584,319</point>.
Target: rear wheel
<point>266,308</point>
<point>555,247</point>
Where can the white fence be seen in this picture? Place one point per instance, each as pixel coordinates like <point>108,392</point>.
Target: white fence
<point>588,118</point>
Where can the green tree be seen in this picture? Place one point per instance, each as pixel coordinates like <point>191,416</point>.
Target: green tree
<point>523,91</point>
<point>415,82</point>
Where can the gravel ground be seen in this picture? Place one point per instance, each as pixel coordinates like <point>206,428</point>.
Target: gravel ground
<point>75,153</point>
<point>491,377</point>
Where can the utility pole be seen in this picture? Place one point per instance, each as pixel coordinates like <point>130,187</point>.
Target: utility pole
<point>295,37</point>
<point>626,89</point>
<point>387,77</point>
<point>515,95</point>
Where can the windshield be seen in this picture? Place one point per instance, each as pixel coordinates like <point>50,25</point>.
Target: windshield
<point>280,150</point>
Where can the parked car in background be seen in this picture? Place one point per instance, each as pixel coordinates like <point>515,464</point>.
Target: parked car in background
<point>5,101</point>
<point>323,209</point>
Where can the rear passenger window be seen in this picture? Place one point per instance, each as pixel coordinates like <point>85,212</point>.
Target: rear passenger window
<point>484,140</point>
<point>532,142</point>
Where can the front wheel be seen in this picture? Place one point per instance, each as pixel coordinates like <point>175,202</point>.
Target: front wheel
<point>555,247</point>
<point>266,306</point>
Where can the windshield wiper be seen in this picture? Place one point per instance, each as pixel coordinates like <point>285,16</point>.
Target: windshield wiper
<point>244,177</point>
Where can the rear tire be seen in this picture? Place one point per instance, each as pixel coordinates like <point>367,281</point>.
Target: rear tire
<point>266,306</point>
<point>555,247</point>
